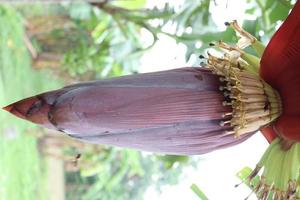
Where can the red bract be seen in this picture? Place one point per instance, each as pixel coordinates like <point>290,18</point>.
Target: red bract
<point>280,67</point>
<point>176,112</point>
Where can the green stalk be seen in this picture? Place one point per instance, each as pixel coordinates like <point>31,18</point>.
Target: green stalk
<point>253,61</point>
<point>250,69</point>
<point>198,192</point>
<point>259,48</point>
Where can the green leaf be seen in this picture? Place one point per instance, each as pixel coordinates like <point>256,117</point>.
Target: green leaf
<point>250,26</point>
<point>198,192</point>
<point>251,11</point>
<point>279,12</point>
<point>206,13</point>
<point>269,4</point>
<point>144,15</point>
<point>183,18</point>
<point>170,160</point>
<point>80,11</point>
<point>227,36</point>
<point>127,4</point>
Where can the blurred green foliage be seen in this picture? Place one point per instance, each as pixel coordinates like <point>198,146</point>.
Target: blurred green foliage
<point>104,38</point>
<point>108,40</point>
<point>19,161</point>
<point>121,175</point>
<point>198,192</point>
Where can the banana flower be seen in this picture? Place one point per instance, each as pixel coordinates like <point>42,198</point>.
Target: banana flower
<point>195,110</point>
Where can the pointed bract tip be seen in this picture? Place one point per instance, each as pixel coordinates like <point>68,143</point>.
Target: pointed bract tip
<point>33,109</point>
<point>8,108</point>
<point>12,109</point>
<point>21,108</point>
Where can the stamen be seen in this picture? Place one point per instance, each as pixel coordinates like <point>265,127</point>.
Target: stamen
<point>201,56</point>
<point>226,46</point>
<point>226,94</point>
<point>227,114</point>
<point>221,88</point>
<point>222,79</point>
<point>223,123</point>
<point>247,95</point>
<point>249,195</point>
<point>229,132</point>
<point>225,103</point>
<point>203,64</point>
<point>246,38</point>
<point>227,23</point>
<point>228,87</point>
<point>254,104</point>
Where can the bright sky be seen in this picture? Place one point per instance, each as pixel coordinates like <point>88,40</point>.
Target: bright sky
<point>216,172</point>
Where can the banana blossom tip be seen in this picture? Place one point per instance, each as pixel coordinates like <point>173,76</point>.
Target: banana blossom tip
<point>7,108</point>
<point>178,111</point>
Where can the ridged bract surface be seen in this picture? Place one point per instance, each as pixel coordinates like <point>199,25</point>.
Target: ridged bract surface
<point>175,112</point>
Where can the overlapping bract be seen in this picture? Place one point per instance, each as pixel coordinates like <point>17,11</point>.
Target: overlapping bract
<point>280,67</point>
<point>175,112</point>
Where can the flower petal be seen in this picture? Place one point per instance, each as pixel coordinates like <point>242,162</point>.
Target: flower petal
<point>288,127</point>
<point>282,52</point>
<point>269,133</point>
<point>280,67</point>
<point>176,112</point>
